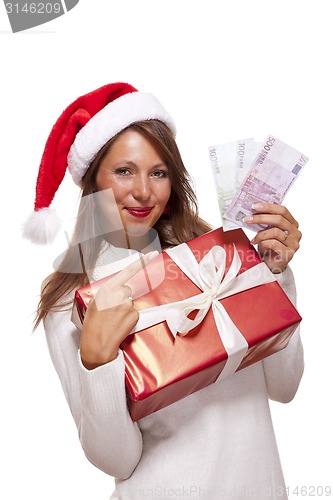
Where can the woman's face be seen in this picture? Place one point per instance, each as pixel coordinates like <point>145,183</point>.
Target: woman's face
<point>139,179</point>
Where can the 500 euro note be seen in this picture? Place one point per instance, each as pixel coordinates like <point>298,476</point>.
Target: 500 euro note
<point>269,179</point>
<point>230,163</point>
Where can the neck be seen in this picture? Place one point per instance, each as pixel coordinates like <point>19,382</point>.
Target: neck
<point>141,242</point>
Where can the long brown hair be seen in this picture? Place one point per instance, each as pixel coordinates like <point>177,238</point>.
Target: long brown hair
<point>180,224</point>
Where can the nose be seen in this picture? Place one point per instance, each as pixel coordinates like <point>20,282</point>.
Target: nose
<point>141,188</point>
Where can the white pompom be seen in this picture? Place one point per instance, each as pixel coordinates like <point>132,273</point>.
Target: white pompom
<point>42,226</point>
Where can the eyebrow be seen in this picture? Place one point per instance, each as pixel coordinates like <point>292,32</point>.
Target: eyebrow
<point>123,163</point>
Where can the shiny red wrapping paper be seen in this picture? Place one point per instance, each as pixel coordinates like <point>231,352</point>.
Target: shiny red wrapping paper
<point>161,369</point>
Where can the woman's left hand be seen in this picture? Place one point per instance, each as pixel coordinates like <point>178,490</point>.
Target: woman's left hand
<point>278,243</point>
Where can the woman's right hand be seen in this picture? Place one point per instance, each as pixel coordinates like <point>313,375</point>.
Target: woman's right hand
<point>110,317</point>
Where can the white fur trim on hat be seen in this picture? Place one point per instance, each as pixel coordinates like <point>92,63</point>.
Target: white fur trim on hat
<point>42,226</point>
<point>112,119</point>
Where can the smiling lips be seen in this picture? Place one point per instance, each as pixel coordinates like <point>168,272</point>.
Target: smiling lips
<point>140,212</point>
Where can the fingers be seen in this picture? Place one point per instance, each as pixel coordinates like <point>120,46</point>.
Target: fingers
<point>280,240</point>
<point>274,249</point>
<point>128,292</point>
<point>104,330</point>
<point>275,209</point>
<point>289,238</point>
<point>271,214</point>
<point>282,226</point>
<point>110,316</point>
<point>109,297</point>
<point>118,290</point>
<point>129,298</point>
<point>126,274</point>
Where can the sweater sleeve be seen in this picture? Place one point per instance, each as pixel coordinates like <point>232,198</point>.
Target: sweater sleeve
<point>97,400</point>
<point>284,370</point>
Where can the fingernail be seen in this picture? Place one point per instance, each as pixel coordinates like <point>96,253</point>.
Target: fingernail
<point>152,255</point>
<point>257,206</point>
<point>248,218</point>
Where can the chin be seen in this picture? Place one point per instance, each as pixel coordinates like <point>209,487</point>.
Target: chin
<point>138,230</point>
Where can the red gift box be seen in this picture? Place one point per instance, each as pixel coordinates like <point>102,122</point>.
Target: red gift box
<point>223,335</point>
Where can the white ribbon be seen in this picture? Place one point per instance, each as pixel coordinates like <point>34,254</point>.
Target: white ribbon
<point>209,276</point>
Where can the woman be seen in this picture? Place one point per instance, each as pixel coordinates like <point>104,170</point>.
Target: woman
<point>219,442</point>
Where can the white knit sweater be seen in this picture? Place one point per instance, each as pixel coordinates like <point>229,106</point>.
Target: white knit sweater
<point>217,443</point>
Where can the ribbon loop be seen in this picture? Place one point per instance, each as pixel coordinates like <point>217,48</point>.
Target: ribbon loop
<point>209,275</point>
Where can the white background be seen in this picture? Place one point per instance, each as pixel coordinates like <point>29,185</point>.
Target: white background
<point>225,70</point>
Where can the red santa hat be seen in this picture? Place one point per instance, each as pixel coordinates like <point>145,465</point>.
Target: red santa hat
<point>83,128</point>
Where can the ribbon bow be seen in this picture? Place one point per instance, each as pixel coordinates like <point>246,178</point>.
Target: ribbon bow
<point>209,275</point>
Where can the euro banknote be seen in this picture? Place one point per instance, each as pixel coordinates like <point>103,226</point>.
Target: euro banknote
<point>230,163</point>
<point>269,179</point>
<point>273,171</point>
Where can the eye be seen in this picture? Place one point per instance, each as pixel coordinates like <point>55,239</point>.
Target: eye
<point>160,174</point>
<point>122,171</point>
